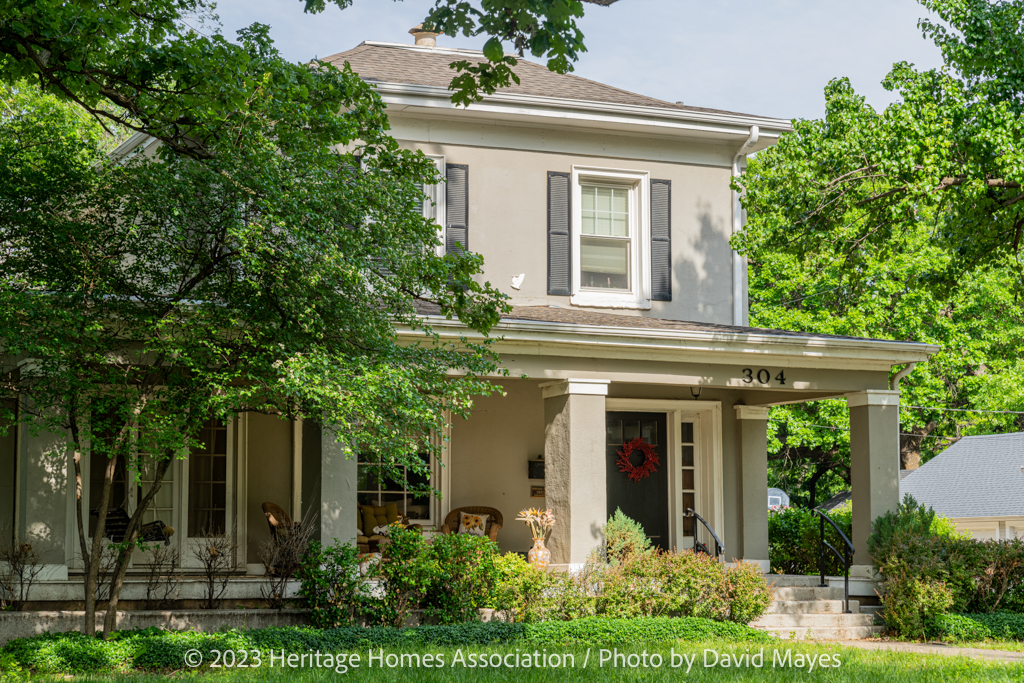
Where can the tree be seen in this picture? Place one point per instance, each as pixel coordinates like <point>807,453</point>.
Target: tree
<point>141,296</point>
<point>149,66</point>
<point>902,224</point>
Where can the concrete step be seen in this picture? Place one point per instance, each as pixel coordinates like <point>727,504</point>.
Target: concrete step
<point>811,607</point>
<point>805,621</point>
<point>793,580</point>
<point>827,632</point>
<point>807,593</point>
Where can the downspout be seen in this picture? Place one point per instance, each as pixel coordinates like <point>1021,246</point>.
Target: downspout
<point>739,269</point>
<point>894,383</point>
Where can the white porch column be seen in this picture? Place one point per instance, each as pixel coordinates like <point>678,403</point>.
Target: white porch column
<point>874,466</point>
<point>338,507</point>
<point>752,441</point>
<point>574,464</point>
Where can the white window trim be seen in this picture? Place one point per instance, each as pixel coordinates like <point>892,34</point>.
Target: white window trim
<point>436,195</point>
<point>639,185</point>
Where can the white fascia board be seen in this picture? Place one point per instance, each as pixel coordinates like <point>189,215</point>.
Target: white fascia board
<point>506,106</point>
<point>564,339</point>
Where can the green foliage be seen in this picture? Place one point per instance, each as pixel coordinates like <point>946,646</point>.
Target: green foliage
<point>972,627</point>
<point>910,603</point>
<point>334,585</point>
<point>406,573</point>
<point>794,540</point>
<point>901,224</point>
<point>157,650</point>
<point>463,579</point>
<point>689,584</point>
<point>519,588</point>
<point>623,536</point>
<point>928,571</point>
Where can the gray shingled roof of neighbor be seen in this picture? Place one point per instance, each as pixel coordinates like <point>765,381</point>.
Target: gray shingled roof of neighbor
<point>412,65</point>
<point>978,476</point>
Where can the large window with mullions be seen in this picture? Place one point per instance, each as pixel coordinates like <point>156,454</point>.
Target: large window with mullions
<point>405,490</point>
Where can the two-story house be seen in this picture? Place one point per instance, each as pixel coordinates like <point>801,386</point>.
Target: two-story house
<point>606,216</point>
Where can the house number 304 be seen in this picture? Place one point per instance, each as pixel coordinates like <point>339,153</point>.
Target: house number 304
<point>763,376</point>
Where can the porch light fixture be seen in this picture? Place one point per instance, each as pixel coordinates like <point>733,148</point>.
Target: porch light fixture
<point>695,392</point>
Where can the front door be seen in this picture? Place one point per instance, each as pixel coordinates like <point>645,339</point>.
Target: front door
<point>645,500</point>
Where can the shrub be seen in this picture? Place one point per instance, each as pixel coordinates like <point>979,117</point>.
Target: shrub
<point>623,536</point>
<point>333,584</point>
<point>156,650</point>
<point>911,603</point>
<point>406,572</point>
<point>747,592</point>
<point>462,577</point>
<point>928,569</point>
<point>572,595</point>
<point>519,588</point>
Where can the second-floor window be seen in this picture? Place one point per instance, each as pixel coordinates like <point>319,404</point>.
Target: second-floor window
<point>610,231</point>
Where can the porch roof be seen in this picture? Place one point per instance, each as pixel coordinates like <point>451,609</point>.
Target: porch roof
<point>555,327</point>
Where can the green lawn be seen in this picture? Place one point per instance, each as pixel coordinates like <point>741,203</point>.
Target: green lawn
<point>853,665</point>
<point>1004,645</point>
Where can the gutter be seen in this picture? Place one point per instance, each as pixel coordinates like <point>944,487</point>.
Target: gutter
<point>740,306</point>
<point>894,383</point>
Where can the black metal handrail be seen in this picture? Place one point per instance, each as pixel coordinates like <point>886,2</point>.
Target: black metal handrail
<point>719,548</point>
<point>846,557</point>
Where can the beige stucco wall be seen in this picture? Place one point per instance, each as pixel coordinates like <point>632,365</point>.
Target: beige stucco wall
<point>488,456</point>
<point>269,475</point>
<point>44,485</point>
<point>508,220</point>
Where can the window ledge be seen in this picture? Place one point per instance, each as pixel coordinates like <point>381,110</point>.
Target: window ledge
<point>609,300</point>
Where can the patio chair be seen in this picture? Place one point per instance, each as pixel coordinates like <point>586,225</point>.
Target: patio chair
<point>494,520</point>
<point>279,521</point>
<point>117,525</point>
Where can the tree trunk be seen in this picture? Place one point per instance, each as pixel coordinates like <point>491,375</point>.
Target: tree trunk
<point>125,555</point>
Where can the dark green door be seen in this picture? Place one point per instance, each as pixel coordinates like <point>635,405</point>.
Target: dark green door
<point>646,500</point>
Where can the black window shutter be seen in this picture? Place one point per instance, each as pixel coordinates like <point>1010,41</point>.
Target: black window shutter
<point>661,240</point>
<point>456,209</point>
<point>559,234</point>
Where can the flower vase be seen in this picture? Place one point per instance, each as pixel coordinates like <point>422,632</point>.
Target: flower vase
<point>539,556</point>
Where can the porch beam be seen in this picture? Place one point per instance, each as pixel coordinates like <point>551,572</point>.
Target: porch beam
<point>575,469</point>
<point>752,439</point>
<point>874,466</point>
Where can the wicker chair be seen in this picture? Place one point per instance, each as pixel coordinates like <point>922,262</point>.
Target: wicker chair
<point>494,521</point>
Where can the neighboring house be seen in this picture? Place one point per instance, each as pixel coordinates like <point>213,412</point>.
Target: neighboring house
<point>978,482</point>
<point>606,216</point>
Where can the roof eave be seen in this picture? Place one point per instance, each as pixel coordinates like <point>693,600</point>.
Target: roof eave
<point>511,105</point>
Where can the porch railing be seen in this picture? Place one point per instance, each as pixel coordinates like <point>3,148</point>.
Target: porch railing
<point>846,557</point>
<point>701,547</point>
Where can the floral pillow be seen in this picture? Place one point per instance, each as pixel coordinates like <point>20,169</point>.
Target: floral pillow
<point>474,525</point>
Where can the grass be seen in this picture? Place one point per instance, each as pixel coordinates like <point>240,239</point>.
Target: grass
<point>1004,645</point>
<point>861,666</point>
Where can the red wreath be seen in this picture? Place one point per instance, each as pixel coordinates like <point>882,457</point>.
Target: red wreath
<point>648,467</point>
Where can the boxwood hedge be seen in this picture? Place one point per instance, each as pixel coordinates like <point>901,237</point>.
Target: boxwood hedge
<point>157,650</point>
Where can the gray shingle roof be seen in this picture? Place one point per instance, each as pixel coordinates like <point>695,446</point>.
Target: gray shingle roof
<point>408,64</point>
<point>978,476</point>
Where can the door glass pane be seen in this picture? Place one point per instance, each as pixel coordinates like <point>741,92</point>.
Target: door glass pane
<point>688,522</point>
<point>649,432</point>
<point>687,456</point>
<point>614,428</point>
<point>630,429</point>
<point>688,479</point>
<point>604,263</point>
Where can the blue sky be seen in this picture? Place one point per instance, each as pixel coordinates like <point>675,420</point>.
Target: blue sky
<point>770,57</point>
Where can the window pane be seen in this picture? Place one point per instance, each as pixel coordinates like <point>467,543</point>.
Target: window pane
<point>649,432</point>
<point>688,479</point>
<point>687,432</point>
<point>207,485</point>
<point>604,263</point>
<point>687,456</point>
<point>605,211</point>
<point>614,428</point>
<point>630,429</point>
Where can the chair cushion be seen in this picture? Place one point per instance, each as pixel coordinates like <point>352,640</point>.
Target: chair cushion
<point>380,516</point>
<point>362,539</point>
<point>473,524</point>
